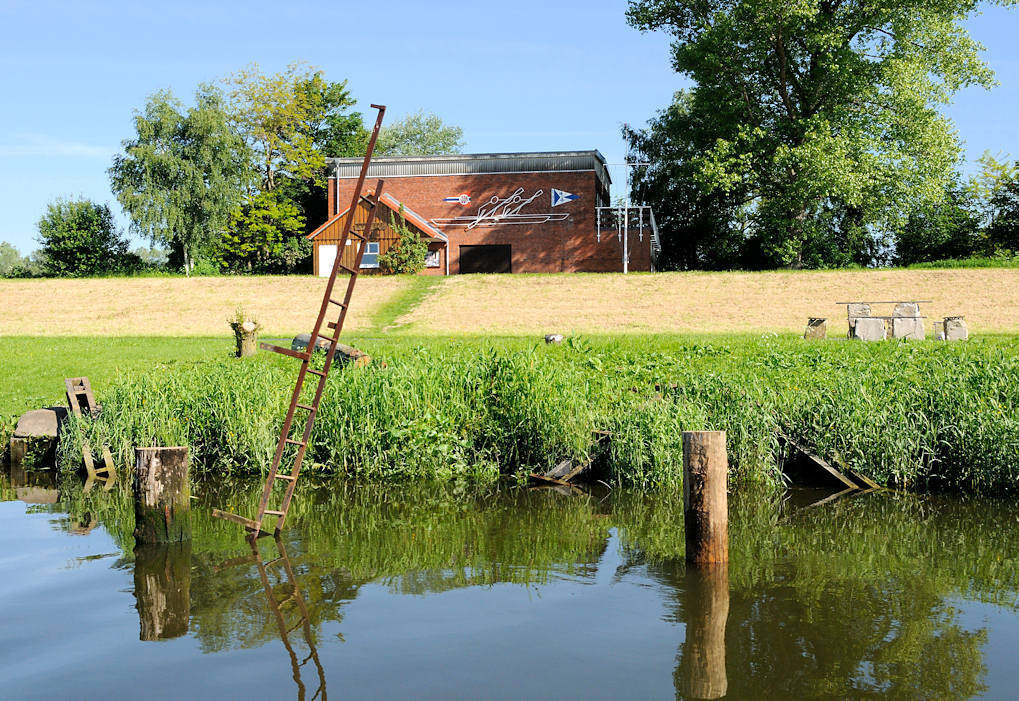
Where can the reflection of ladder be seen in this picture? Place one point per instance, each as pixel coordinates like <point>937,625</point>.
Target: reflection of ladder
<point>277,606</point>
<point>305,356</point>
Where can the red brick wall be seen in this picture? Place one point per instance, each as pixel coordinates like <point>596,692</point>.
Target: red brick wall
<point>566,246</point>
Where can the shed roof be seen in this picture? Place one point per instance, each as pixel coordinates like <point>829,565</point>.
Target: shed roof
<point>475,163</point>
<point>419,222</point>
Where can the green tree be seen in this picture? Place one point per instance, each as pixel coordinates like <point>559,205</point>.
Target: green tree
<point>80,238</point>
<point>419,134</point>
<point>10,259</point>
<point>264,236</point>
<point>818,111</point>
<point>407,255</point>
<point>941,230</point>
<point>287,118</point>
<point>1003,231</point>
<point>183,174</point>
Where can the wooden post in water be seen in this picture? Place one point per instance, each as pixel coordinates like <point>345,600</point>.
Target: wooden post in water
<point>701,671</point>
<point>162,495</point>
<point>705,502</point>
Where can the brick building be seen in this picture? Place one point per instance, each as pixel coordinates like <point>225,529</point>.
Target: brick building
<point>491,213</point>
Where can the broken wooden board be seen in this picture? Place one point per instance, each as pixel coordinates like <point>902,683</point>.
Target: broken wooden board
<point>806,469</point>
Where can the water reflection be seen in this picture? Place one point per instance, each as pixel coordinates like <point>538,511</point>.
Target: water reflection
<point>859,596</point>
<point>162,590</point>
<point>700,670</point>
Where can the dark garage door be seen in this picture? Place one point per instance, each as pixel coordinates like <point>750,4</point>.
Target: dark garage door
<point>486,259</point>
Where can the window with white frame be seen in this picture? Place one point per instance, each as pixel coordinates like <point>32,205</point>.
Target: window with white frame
<point>432,259</point>
<point>371,255</point>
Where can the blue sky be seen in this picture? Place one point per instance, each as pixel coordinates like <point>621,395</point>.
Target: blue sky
<point>517,76</point>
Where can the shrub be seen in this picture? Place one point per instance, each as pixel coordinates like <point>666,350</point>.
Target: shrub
<point>79,238</point>
<point>407,255</point>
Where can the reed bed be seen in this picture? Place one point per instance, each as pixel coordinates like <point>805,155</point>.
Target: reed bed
<point>924,415</point>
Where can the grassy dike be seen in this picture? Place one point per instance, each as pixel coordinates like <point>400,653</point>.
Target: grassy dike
<point>469,410</point>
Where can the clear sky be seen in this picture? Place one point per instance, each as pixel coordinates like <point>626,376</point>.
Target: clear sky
<point>517,76</point>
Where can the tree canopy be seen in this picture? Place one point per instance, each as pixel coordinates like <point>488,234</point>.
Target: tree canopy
<point>80,238</point>
<point>812,127</point>
<point>419,134</point>
<point>183,174</point>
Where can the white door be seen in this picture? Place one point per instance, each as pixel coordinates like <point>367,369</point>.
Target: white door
<point>326,256</point>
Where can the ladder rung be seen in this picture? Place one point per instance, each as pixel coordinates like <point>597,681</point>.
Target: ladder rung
<point>351,271</point>
<point>305,406</point>
<point>317,372</point>
<point>274,513</point>
<point>284,351</point>
<point>291,441</point>
<point>328,338</point>
<point>285,477</point>
<point>338,304</point>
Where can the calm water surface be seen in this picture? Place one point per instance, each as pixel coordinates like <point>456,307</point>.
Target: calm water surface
<point>425,592</point>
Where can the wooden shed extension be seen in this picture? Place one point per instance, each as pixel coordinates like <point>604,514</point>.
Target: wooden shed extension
<point>384,234</point>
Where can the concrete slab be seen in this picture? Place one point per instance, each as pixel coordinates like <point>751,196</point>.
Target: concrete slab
<point>869,329</point>
<point>907,328</point>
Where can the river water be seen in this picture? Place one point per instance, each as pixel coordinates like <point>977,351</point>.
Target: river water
<point>434,592</point>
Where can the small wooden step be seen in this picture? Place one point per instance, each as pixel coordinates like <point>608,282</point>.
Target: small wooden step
<point>284,351</point>
<point>338,304</point>
<point>246,522</point>
<point>290,478</point>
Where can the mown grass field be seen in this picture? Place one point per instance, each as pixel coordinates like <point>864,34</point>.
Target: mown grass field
<point>666,303</point>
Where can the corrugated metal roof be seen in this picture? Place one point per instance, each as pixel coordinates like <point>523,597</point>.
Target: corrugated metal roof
<point>474,163</point>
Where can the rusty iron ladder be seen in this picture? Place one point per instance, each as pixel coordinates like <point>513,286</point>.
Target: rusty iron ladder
<point>305,356</point>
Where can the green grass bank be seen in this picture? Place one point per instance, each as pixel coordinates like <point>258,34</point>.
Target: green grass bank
<point>923,415</point>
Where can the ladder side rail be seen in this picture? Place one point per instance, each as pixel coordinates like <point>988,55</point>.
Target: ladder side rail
<point>347,223</point>
<point>299,459</point>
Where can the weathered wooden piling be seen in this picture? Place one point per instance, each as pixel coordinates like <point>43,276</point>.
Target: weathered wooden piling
<point>162,590</point>
<point>705,501</point>
<point>162,494</point>
<point>701,672</point>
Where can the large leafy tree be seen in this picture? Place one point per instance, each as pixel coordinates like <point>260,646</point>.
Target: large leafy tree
<point>264,236</point>
<point>940,230</point>
<point>80,238</point>
<point>292,120</point>
<point>810,114</point>
<point>419,134</point>
<point>183,174</point>
<point>1003,231</point>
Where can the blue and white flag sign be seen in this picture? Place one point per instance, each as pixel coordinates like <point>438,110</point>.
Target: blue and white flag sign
<point>562,197</point>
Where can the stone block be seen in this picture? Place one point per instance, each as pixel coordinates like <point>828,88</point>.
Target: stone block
<point>554,338</point>
<point>41,423</point>
<point>869,329</point>
<point>908,328</point>
<point>816,328</point>
<point>955,328</point>
<point>906,309</point>
<point>856,311</point>
<point>939,330</point>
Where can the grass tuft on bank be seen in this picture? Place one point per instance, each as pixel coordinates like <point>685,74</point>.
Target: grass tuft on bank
<point>923,415</point>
